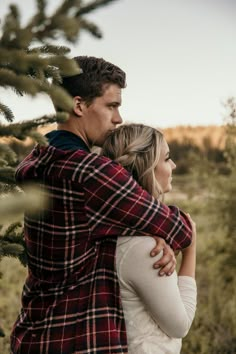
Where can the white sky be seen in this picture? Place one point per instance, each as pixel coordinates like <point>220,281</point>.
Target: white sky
<point>179,56</point>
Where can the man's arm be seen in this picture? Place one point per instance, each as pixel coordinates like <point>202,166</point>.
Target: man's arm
<point>117,205</point>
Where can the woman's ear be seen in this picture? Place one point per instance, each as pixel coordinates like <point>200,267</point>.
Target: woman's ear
<point>78,106</point>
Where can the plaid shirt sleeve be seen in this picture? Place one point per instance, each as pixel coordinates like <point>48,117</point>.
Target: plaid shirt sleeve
<point>113,198</point>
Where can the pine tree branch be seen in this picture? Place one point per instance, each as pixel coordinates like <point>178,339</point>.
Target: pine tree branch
<point>22,39</point>
<point>66,66</point>
<point>13,36</point>
<point>7,154</point>
<point>47,27</point>
<point>27,67</point>
<point>8,188</point>
<point>91,28</point>
<point>13,250</point>
<point>53,73</point>
<point>50,49</point>
<point>26,70</point>
<point>60,97</point>
<point>60,26</point>
<point>67,6</point>
<point>12,233</point>
<point>41,6</point>
<point>22,62</point>
<point>92,6</point>
<point>11,25</point>
<point>22,129</point>
<point>8,78</point>
<point>40,16</point>
<point>7,175</point>
<point>67,20</point>
<point>14,236</point>
<point>13,205</point>
<point>6,112</point>
<point>39,138</point>
<point>69,27</point>
<point>10,249</point>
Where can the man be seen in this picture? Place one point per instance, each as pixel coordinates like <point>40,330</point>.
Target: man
<point>71,300</point>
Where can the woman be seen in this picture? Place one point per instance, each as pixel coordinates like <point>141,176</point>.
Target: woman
<point>159,310</point>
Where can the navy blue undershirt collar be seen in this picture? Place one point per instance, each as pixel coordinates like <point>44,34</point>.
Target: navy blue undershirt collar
<point>65,140</point>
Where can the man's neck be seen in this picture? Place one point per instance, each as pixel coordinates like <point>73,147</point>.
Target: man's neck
<point>71,125</point>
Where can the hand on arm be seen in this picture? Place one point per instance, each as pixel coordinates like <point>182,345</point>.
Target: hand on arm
<point>167,262</point>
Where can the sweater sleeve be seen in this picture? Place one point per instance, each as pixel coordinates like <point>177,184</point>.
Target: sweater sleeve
<point>114,198</point>
<point>170,301</point>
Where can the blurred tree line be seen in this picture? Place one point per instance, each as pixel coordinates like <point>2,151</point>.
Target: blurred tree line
<point>188,143</point>
<point>214,328</point>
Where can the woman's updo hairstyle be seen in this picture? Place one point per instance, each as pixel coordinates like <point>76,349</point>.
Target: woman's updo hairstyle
<point>137,148</point>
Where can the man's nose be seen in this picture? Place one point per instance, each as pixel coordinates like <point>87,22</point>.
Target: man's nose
<point>117,118</point>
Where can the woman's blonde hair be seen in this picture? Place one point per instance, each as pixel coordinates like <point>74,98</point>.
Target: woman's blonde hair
<point>137,148</point>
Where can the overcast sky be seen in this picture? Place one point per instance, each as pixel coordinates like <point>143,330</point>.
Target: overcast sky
<point>179,56</point>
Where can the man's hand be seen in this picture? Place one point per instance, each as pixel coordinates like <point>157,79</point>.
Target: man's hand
<point>167,263</point>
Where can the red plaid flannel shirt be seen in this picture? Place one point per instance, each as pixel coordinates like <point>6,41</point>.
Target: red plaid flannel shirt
<point>71,300</point>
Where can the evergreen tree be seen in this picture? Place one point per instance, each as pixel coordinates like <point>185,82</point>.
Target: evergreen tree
<point>31,62</point>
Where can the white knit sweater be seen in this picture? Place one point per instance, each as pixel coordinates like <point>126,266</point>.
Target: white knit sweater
<point>158,310</point>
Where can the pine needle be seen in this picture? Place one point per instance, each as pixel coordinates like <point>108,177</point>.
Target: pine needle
<point>50,49</point>
<point>6,112</point>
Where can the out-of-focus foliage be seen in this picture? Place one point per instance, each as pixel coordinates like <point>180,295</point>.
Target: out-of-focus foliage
<point>214,329</point>
<point>32,62</point>
<point>188,145</point>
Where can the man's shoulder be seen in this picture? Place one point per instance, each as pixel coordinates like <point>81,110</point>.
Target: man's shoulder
<point>89,158</point>
<point>101,160</point>
<point>93,164</point>
<point>78,165</point>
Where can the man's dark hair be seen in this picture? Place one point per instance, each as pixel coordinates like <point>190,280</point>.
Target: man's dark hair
<point>96,72</point>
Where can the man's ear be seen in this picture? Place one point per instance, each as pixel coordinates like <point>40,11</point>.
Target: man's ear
<point>78,106</point>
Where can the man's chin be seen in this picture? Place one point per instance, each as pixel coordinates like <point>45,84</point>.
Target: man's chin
<point>99,143</point>
<point>102,140</point>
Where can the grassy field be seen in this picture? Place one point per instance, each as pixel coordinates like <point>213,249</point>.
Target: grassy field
<point>192,198</point>
<point>13,275</point>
